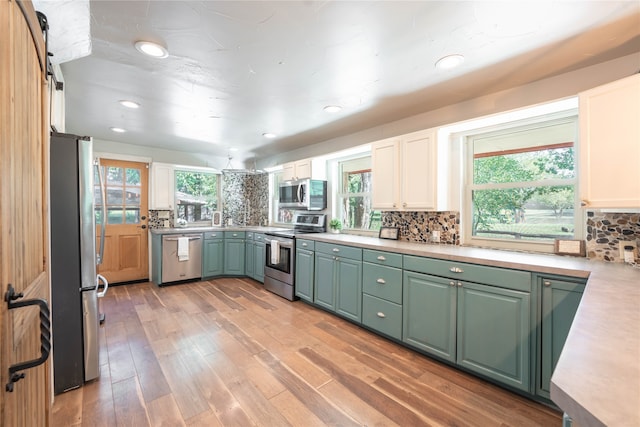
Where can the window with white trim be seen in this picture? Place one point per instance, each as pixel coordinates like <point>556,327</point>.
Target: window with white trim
<point>520,190</point>
<point>197,195</point>
<point>355,194</point>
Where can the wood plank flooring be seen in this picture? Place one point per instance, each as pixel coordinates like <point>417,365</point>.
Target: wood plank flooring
<point>226,352</point>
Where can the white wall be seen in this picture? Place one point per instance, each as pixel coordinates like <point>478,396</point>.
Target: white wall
<point>159,155</point>
<point>553,88</point>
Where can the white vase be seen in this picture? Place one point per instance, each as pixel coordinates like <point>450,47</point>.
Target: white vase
<point>335,231</point>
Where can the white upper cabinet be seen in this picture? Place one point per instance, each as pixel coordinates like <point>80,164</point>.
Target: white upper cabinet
<point>610,145</point>
<point>384,166</point>
<point>296,170</point>
<point>405,172</point>
<point>162,186</point>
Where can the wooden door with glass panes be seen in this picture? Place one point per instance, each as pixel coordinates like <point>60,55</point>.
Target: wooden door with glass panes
<point>126,241</point>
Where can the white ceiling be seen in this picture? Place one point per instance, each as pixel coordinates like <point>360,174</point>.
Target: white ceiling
<point>238,69</point>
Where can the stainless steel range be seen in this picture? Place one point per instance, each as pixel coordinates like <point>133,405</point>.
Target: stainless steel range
<point>279,270</point>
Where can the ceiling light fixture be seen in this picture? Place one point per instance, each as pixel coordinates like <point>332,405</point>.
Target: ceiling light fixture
<point>117,130</point>
<point>151,49</point>
<point>332,108</point>
<point>449,62</point>
<point>269,135</point>
<point>129,104</point>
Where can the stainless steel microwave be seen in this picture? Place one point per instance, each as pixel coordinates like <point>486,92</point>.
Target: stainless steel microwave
<point>305,194</point>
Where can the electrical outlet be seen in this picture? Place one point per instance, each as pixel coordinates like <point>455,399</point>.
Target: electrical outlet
<point>435,236</point>
<point>623,243</point>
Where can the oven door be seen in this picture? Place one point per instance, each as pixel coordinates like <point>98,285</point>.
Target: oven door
<point>282,269</point>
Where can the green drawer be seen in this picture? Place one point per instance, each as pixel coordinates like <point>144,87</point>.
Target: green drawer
<point>305,244</point>
<point>495,276</point>
<point>339,250</point>
<point>234,234</point>
<point>382,258</point>
<point>382,282</point>
<point>258,237</point>
<point>249,235</point>
<point>210,235</point>
<point>382,316</point>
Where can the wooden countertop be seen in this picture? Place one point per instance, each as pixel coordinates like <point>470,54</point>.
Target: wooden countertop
<point>597,379</point>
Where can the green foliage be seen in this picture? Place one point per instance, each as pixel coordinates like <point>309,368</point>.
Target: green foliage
<point>335,224</point>
<point>507,206</point>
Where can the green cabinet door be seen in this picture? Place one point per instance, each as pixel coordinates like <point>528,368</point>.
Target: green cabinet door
<point>560,300</point>
<point>304,274</point>
<point>234,250</point>
<point>324,279</point>
<point>248,258</point>
<point>258,261</point>
<point>494,333</point>
<point>429,314</point>
<point>348,275</point>
<point>212,258</point>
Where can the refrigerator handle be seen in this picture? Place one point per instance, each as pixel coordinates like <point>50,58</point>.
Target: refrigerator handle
<point>102,279</point>
<point>103,198</point>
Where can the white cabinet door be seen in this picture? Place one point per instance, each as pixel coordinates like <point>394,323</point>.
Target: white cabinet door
<point>296,170</point>
<point>419,178</point>
<point>385,174</point>
<point>162,186</point>
<point>610,145</point>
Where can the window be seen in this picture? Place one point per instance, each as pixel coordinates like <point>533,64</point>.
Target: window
<point>123,187</point>
<point>354,195</point>
<point>197,195</point>
<point>520,187</point>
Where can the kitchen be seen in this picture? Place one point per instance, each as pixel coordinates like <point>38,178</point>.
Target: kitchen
<point>234,210</point>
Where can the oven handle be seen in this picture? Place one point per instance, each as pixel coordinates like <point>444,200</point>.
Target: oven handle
<point>281,243</point>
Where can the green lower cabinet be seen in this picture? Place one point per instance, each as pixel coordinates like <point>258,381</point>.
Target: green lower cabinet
<point>249,251</point>
<point>258,261</point>
<point>213,258</point>
<point>348,275</point>
<point>429,319</point>
<point>234,252</point>
<point>494,333</point>
<point>304,274</point>
<point>338,284</point>
<point>324,281</point>
<point>382,315</point>
<point>559,304</point>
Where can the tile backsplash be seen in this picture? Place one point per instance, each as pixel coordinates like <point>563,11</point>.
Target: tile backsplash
<point>156,222</point>
<point>418,226</point>
<point>606,232</point>
<point>245,197</point>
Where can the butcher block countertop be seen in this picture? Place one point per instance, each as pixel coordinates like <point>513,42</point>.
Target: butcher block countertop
<point>597,378</point>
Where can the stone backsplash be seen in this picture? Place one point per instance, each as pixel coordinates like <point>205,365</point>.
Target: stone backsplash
<point>156,222</point>
<point>418,226</point>
<point>245,197</point>
<point>606,232</point>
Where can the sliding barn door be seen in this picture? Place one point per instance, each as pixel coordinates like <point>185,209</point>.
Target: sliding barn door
<point>23,213</point>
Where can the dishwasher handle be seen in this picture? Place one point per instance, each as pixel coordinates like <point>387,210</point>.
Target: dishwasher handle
<point>175,239</point>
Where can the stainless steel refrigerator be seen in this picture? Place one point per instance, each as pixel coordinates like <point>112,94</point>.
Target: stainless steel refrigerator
<point>75,284</point>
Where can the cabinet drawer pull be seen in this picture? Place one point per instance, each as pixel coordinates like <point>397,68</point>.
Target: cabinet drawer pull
<point>547,283</point>
<point>456,270</point>
<point>381,281</point>
<point>304,244</point>
<point>381,315</point>
<point>336,250</point>
<point>381,258</point>
<point>235,234</point>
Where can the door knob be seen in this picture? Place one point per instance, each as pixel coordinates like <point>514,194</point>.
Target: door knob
<point>143,217</point>
<point>143,226</point>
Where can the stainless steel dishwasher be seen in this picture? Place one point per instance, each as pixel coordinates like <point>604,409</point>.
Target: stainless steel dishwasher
<point>172,268</point>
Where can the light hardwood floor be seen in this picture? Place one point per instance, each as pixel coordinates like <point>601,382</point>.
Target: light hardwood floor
<point>228,353</point>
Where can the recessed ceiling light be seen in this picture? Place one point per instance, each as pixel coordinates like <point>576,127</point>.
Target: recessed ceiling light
<point>269,135</point>
<point>151,49</point>
<point>233,149</point>
<point>129,104</point>
<point>449,62</point>
<point>117,130</point>
<point>332,108</point>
